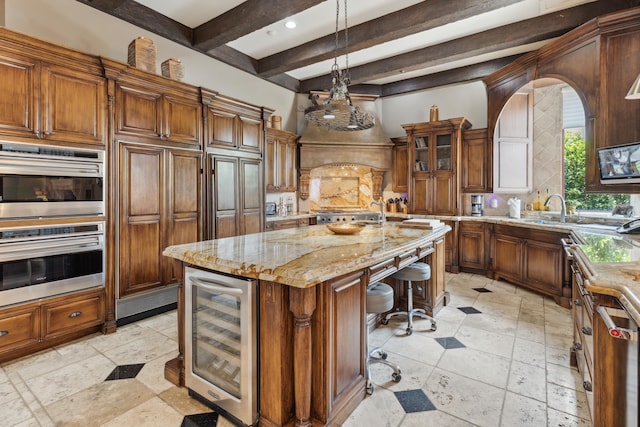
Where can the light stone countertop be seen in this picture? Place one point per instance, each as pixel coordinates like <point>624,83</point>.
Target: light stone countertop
<point>305,256</point>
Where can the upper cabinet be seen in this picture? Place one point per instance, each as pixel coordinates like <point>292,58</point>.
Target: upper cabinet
<point>54,94</point>
<point>234,124</point>
<point>434,160</point>
<point>155,107</point>
<point>513,146</point>
<point>280,160</point>
<point>477,162</point>
<point>600,61</point>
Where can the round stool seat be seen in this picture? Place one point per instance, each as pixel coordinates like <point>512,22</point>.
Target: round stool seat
<point>415,272</point>
<point>379,298</point>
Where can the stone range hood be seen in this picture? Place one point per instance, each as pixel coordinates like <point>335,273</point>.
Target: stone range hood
<point>324,149</point>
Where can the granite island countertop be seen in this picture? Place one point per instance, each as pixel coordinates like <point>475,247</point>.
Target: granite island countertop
<point>305,256</point>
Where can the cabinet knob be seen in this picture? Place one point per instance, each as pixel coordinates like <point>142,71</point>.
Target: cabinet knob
<point>3,333</point>
<point>586,330</point>
<point>577,302</point>
<point>37,134</point>
<point>587,386</point>
<point>577,346</point>
<point>75,314</point>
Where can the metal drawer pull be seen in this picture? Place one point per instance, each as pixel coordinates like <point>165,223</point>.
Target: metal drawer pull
<point>615,330</point>
<point>587,386</point>
<point>587,330</point>
<point>75,314</point>
<point>3,333</point>
<point>577,346</point>
<point>577,302</point>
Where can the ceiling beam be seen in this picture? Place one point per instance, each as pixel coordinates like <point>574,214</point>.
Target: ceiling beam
<point>532,30</point>
<point>246,18</point>
<point>423,16</point>
<point>443,78</point>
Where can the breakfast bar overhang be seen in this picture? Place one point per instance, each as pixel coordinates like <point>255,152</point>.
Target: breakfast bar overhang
<point>312,315</point>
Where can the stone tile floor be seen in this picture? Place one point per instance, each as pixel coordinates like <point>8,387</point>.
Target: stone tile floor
<point>504,363</point>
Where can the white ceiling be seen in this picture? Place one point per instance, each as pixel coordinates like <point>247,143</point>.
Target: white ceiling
<point>320,21</point>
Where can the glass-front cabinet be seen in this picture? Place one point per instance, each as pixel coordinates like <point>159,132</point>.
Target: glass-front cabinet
<point>434,161</point>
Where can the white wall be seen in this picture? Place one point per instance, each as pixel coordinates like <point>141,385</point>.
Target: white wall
<point>73,24</point>
<point>462,100</point>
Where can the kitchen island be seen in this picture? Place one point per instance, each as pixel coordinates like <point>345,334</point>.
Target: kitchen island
<point>312,314</point>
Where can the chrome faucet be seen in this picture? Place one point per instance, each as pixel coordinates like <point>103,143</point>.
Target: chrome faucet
<point>563,209</point>
<point>381,203</point>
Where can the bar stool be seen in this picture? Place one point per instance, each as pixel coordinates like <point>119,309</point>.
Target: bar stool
<point>379,300</point>
<point>418,271</point>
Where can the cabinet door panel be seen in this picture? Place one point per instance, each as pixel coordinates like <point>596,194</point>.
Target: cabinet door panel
<point>471,249</point>
<point>222,128</point>
<point>251,196</point>
<point>225,197</point>
<point>507,257</point>
<point>183,120</point>
<point>271,172</point>
<point>141,244</point>
<point>184,204</point>
<point>251,135</point>
<point>17,96</point>
<point>400,168</point>
<point>420,197</point>
<point>543,266</point>
<point>138,111</point>
<point>74,105</point>
<point>444,193</point>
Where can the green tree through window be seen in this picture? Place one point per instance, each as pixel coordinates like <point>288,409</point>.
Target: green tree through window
<point>574,177</point>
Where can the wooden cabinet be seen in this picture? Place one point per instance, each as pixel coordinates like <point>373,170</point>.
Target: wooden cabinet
<point>30,327</point>
<point>157,111</point>
<point>233,124</point>
<point>477,162</point>
<point>48,96</point>
<point>159,191</point>
<point>529,257</point>
<point>603,361</point>
<point>236,197</point>
<point>400,171</point>
<point>471,246</point>
<point>280,161</point>
<point>434,160</point>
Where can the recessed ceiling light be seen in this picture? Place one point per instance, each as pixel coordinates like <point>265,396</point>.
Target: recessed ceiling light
<point>290,24</point>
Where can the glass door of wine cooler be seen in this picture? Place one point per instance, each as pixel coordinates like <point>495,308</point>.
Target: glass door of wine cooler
<point>221,341</point>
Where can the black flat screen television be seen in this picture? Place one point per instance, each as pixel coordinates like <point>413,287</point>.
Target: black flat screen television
<point>620,164</point>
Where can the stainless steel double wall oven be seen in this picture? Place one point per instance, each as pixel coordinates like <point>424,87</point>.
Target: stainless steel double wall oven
<point>52,207</point>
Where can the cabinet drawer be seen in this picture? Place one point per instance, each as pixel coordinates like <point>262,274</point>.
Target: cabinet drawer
<point>382,270</point>
<point>303,221</point>
<point>19,328</point>
<point>287,223</point>
<point>68,316</point>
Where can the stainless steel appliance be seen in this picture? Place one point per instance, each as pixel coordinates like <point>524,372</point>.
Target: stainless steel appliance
<point>477,205</point>
<point>44,181</point>
<point>42,261</point>
<point>327,216</point>
<point>221,346</point>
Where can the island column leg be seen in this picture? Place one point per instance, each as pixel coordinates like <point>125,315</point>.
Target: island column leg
<point>302,303</point>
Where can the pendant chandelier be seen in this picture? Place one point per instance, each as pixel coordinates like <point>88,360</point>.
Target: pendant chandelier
<point>337,112</point>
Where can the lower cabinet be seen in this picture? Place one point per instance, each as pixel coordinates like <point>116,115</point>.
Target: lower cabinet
<point>471,246</point>
<point>530,257</point>
<point>608,366</point>
<point>159,196</point>
<point>31,327</point>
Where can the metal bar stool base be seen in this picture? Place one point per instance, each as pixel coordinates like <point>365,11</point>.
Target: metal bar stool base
<point>378,355</point>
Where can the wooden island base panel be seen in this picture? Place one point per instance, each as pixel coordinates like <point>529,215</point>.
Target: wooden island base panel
<point>313,320</point>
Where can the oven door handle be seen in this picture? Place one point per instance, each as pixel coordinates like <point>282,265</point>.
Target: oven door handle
<point>38,166</point>
<point>215,286</point>
<point>614,330</point>
<point>58,247</point>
